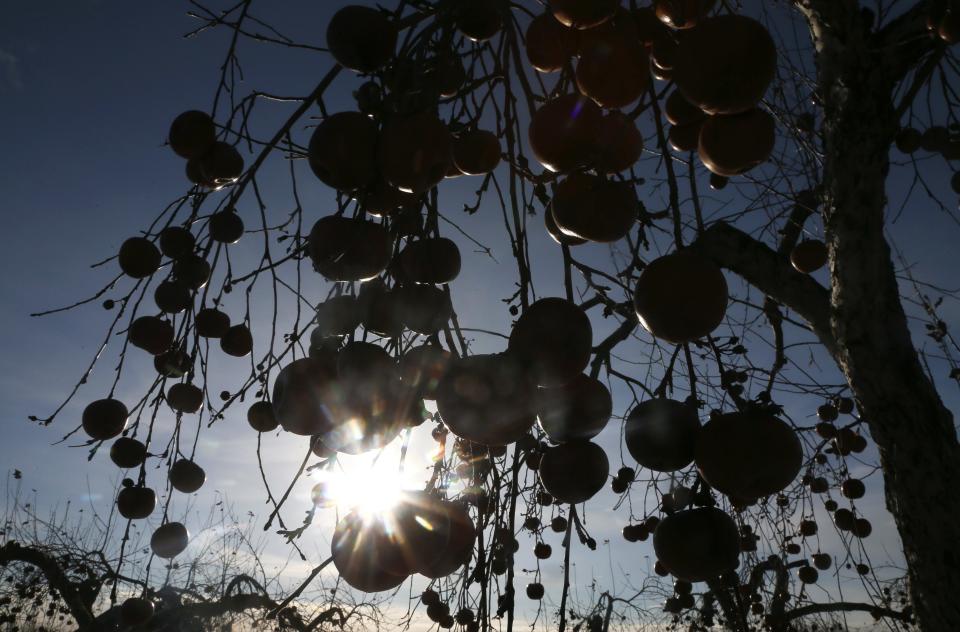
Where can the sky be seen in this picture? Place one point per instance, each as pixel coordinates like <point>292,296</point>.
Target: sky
<point>87,91</point>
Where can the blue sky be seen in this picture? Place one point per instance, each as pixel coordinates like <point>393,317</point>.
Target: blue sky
<point>87,91</point>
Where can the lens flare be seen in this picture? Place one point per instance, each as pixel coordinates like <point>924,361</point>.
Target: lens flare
<point>359,483</point>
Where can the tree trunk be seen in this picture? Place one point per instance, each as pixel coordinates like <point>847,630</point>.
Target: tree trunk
<point>913,430</point>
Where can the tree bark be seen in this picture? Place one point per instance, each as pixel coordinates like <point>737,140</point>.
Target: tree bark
<point>866,329</point>
<point>913,430</point>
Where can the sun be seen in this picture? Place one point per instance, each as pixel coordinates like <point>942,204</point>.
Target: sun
<point>361,483</point>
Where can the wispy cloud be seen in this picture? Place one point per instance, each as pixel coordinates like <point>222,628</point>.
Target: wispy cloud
<point>10,80</point>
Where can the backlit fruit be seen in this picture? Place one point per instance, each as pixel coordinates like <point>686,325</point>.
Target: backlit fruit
<point>192,270</point>
<point>486,399</point>
<point>826,430</point>
<point>807,528</point>
<point>176,241</point>
<point>844,519</point>
<point>735,143</point>
<point>618,486</point>
<point>380,199</point>
<point>828,412</point>
<point>563,132</point>
<point>658,73</point>
<point>862,528</point>
<point>380,309</point>
<point>343,151</point>
<point>436,612</point>
<point>725,64</point>
<point>853,488</point>
<point>613,65</point>
<point>476,152</point>
<point>422,368</point>
<point>935,138</point>
<point>126,452</point>
<point>908,140</point>
<point>574,472</point>
<point>415,151</point>
<point>104,419</point>
<point>346,249</point>
<point>748,455</point>
<point>685,137</point>
<point>682,14</point>
<point>542,551</point>
<point>296,397</point>
<point>576,410</point>
<point>809,256</point>
<point>807,574</point>
<point>619,143</point>
<point>211,323</point>
<point>594,208</point>
<point>663,53</point>
<point>138,257</point>
<point>697,544</point>
<point>661,434</point>
<point>554,231</point>
<point>361,38</point>
<point>221,165</point>
<point>226,227</point>
<point>479,20</point>
<point>136,611</point>
<point>338,316</point>
<point>450,75</point>
<point>185,398</point>
<point>679,111</point>
<point>553,338</point>
<point>195,174</point>
<point>818,485</point>
<point>169,540</point>
<point>459,544</point>
<point>173,363</point>
<point>420,521</point>
<point>320,449</point>
<point>434,260</point>
<point>192,134</point>
<point>364,403</point>
<point>237,341</point>
<point>424,309</point>
<point>844,441</point>
<point>172,297</point>
<point>583,14</point>
<point>626,474</point>
<point>429,597</point>
<point>186,476</point>
<point>550,44</point>
<point>649,27</point>
<point>261,418</point>
<point>718,183</point>
<point>844,405</point>
<point>822,561</point>
<point>151,333</point>
<point>949,27</point>
<point>136,503</point>
<point>360,546</point>
<point>681,297</point>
